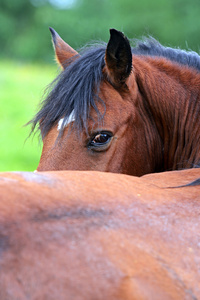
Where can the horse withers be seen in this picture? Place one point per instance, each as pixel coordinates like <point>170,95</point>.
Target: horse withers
<point>120,109</point>
<point>85,235</point>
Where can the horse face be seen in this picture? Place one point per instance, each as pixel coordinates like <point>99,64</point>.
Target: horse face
<point>116,143</point>
<point>113,145</point>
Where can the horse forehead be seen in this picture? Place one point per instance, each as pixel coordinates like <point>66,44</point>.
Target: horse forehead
<point>114,105</point>
<point>107,91</point>
<point>65,122</point>
<point>113,98</point>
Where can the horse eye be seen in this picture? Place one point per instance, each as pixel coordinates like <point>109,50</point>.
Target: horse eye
<point>100,141</point>
<point>101,138</point>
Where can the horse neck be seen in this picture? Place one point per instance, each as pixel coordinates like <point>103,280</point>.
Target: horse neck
<point>171,98</point>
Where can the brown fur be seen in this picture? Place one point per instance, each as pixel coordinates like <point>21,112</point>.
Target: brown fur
<point>92,235</point>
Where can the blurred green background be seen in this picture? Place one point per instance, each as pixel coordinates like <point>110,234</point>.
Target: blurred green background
<point>27,60</point>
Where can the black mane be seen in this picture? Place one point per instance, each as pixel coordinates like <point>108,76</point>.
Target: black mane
<point>76,88</point>
<point>152,47</point>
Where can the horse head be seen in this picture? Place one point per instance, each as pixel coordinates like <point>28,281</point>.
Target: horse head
<point>119,109</point>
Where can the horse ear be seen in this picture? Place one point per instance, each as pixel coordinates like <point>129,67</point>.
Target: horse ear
<point>62,50</point>
<point>118,58</point>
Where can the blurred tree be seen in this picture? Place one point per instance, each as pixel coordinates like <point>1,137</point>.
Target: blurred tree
<point>15,18</point>
<point>24,24</point>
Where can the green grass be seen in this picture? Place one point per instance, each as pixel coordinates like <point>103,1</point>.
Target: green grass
<point>21,88</point>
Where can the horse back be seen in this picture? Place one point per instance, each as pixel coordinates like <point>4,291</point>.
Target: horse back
<point>92,235</point>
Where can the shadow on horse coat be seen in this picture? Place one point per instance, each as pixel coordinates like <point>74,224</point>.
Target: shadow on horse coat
<point>120,109</point>
<point>93,235</point>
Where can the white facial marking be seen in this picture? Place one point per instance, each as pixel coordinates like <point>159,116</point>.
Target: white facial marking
<point>70,119</point>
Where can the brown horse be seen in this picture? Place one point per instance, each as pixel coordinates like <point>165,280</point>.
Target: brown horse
<point>117,109</point>
<point>85,235</point>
